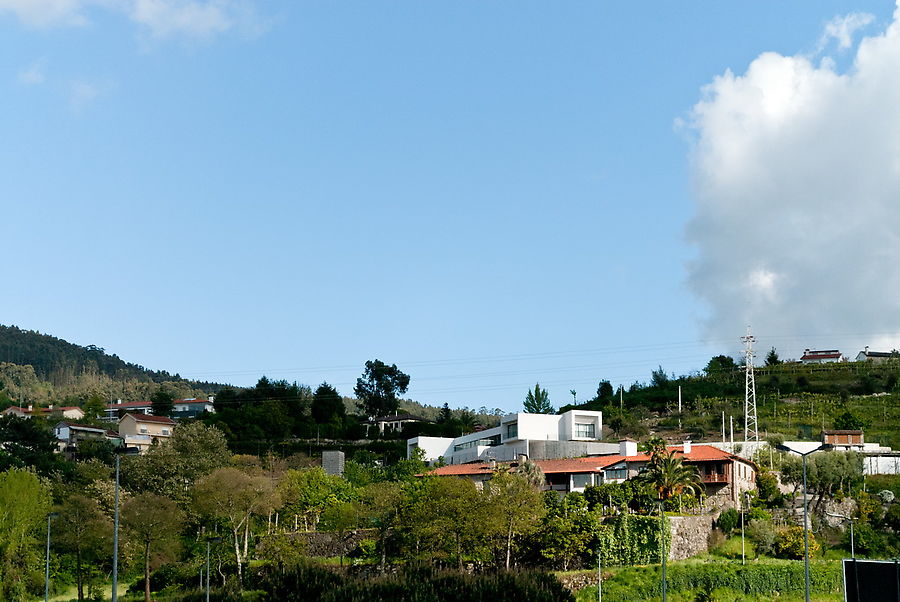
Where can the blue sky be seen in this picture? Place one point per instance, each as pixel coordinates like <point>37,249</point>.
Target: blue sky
<point>488,194</point>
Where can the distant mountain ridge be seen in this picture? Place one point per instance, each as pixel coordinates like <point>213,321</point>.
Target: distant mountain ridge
<point>61,363</point>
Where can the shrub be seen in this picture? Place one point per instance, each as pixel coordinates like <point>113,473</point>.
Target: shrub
<point>728,520</point>
<point>789,543</point>
<point>762,534</point>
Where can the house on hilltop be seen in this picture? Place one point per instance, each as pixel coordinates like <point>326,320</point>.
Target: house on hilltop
<point>876,357</point>
<point>142,431</point>
<point>538,436</point>
<point>826,356</point>
<point>69,412</point>
<point>725,476</point>
<point>70,436</point>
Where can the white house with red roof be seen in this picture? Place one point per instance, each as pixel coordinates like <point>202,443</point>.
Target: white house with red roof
<point>823,356</point>
<point>725,476</point>
<point>69,412</point>
<point>181,408</point>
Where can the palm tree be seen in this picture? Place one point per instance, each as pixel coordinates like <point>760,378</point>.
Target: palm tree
<point>670,476</point>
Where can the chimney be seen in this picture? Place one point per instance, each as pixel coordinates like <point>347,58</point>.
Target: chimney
<point>522,458</point>
<point>118,402</point>
<point>51,407</point>
<point>30,407</point>
<point>627,447</point>
<point>492,463</point>
<point>687,446</point>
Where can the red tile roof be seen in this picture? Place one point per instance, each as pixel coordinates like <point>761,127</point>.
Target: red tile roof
<point>698,453</point>
<point>128,404</point>
<point>149,418</point>
<point>44,410</point>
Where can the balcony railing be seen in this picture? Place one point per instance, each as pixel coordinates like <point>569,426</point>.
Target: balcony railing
<point>715,478</point>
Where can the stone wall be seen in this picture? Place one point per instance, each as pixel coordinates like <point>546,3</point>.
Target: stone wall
<point>690,535</point>
<point>319,543</point>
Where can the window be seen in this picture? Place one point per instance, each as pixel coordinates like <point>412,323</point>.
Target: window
<point>584,430</point>
<point>165,431</point>
<point>491,441</point>
<point>619,474</point>
<point>580,481</point>
<point>143,430</point>
<point>512,430</point>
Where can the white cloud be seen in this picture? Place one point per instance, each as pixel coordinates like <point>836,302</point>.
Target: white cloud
<point>796,174</point>
<point>33,75</point>
<point>46,13</point>
<point>843,28</point>
<point>160,18</point>
<point>82,94</point>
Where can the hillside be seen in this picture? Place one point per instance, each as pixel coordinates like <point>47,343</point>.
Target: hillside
<point>39,368</point>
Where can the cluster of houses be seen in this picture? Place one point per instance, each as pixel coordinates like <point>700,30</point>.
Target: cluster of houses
<point>830,356</point>
<point>135,424</point>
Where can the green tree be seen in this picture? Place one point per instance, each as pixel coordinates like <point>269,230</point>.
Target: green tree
<point>670,476</point>
<point>538,401</point>
<point>24,505</point>
<point>720,364</point>
<point>515,508</point>
<point>231,497</point>
<point>327,405</point>
<point>171,470</point>
<point>604,391</point>
<point>659,378</point>
<point>27,442</point>
<point>162,402</point>
<point>848,421</point>
<point>341,519</point>
<point>309,492</point>
<point>94,408</point>
<point>154,523</point>
<point>82,531</point>
<point>378,388</point>
<point>567,530</point>
<point>772,358</point>
<point>380,506</point>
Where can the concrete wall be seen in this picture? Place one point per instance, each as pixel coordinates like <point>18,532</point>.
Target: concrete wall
<point>551,450</point>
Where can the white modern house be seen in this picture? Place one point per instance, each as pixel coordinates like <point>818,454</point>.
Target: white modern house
<point>538,436</point>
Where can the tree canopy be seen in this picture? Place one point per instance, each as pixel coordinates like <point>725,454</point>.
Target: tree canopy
<point>378,388</point>
<point>538,401</point>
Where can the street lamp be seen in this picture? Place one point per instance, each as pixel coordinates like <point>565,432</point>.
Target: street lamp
<point>209,540</point>
<point>849,519</point>
<point>120,451</point>
<point>805,513</point>
<point>50,517</point>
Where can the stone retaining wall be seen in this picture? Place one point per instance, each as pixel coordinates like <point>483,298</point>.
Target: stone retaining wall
<point>690,535</point>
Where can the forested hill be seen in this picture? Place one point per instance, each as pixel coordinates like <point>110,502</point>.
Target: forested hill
<point>61,363</point>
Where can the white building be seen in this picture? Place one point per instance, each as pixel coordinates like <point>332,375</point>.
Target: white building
<point>538,436</point>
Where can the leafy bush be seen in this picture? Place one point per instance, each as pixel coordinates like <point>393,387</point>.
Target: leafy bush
<point>762,534</point>
<point>789,543</point>
<point>728,520</point>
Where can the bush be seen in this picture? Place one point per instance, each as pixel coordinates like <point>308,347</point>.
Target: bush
<point>728,520</point>
<point>762,534</point>
<point>789,543</point>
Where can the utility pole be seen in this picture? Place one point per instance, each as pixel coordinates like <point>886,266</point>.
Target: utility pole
<point>731,428</point>
<point>679,407</point>
<point>723,427</point>
<point>751,425</point>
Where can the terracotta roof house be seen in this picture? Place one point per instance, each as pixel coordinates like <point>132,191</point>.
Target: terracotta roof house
<point>142,431</point>
<point>726,476</point>
<point>114,411</point>
<point>827,356</point>
<point>70,412</point>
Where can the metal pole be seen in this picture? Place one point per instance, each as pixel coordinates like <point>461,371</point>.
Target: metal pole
<point>852,549</point>
<point>743,556</point>
<point>207,570</point>
<point>115,567</point>
<point>805,534</point>
<point>47,563</point>
<point>662,540</point>
<point>599,576</point>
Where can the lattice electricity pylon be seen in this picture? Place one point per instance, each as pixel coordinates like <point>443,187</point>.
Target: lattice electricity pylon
<point>751,425</point>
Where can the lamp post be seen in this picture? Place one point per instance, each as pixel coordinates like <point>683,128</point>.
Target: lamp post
<point>662,543</point>
<point>209,540</point>
<point>50,517</point>
<point>123,450</point>
<point>849,519</point>
<point>805,514</point>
